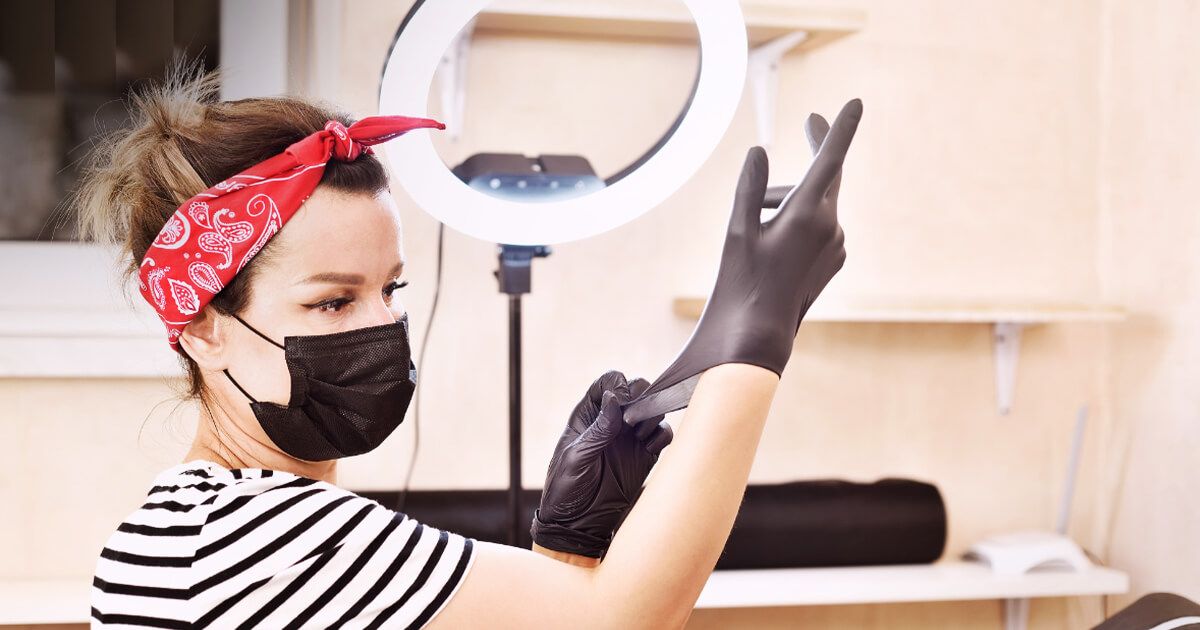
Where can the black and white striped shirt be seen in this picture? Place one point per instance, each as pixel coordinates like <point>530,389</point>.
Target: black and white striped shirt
<point>214,547</point>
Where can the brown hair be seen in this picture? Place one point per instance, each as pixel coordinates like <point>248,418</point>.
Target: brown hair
<point>183,140</point>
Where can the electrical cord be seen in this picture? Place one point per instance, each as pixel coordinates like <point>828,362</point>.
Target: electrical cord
<point>437,289</point>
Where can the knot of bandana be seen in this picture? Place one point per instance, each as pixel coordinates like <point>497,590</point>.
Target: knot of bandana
<point>344,148</point>
<point>212,236</point>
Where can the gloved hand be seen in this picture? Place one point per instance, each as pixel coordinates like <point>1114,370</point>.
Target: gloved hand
<point>598,468</point>
<point>770,273</point>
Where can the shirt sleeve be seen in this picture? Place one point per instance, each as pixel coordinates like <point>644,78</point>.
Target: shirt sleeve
<point>325,557</point>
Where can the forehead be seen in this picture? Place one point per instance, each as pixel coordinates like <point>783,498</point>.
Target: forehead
<point>344,232</point>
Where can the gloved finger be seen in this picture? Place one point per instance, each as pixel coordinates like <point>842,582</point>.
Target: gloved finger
<point>815,129</point>
<point>659,439</point>
<point>589,406</point>
<point>748,200</point>
<point>828,162</point>
<point>604,430</point>
<point>611,380</point>
<point>644,428</point>
<point>637,387</point>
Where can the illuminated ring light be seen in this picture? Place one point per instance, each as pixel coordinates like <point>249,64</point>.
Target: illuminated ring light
<point>428,30</point>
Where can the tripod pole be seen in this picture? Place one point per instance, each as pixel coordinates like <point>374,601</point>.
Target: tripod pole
<point>514,419</point>
<point>516,262</point>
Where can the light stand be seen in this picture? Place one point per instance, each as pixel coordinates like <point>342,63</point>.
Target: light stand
<point>514,276</point>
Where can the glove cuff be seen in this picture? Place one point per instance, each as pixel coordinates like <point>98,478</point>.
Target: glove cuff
<point>559,537</point>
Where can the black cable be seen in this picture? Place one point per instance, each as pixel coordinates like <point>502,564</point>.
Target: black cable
<point>437,289</point>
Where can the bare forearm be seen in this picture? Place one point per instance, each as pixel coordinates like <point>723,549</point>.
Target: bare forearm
<point>666,548</point>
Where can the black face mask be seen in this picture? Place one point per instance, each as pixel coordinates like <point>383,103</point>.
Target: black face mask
<point>350,390</point>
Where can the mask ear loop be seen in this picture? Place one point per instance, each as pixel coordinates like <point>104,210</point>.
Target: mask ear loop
<point>255,331</point>
<point>240,389</point>
<point>226,371</point>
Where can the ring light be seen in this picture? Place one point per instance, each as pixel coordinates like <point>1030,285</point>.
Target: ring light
<point>428,30</point>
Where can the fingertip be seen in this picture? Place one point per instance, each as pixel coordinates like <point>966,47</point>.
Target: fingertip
<point>816,128</point>
<point>612,379</point>
<point>660,439</point>
<point>756,162</point>
<point>611,407</point>
<point>748,198</point>
<point>852,110</point>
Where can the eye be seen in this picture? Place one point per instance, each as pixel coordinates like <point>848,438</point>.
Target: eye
<point>392,287</point>
<point>330,306</point>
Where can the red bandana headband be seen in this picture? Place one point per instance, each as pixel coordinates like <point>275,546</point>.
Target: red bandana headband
<point>212,236</point>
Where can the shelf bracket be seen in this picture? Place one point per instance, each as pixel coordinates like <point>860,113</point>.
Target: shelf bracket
<point>452,80</point>
<point>763,71</point>
<point>1006,340</point>
<point>1016,614</point>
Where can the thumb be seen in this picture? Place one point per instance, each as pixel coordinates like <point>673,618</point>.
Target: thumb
<point>605,429</point>
<point>751,191</point>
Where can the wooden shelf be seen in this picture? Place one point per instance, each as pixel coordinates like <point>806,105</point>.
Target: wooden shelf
<point>67,600</point>
<point>1006,323</point>
<point>940,314</point>
<point>661,20</point>
<point>943,581</point>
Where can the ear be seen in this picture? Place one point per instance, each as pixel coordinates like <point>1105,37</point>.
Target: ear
<point>205,339</point>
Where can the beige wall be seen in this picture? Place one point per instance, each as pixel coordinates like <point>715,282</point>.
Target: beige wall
<point>1149,174</point>
<point>974,178</point>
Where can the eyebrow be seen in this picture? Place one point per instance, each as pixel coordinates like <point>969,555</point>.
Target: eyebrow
<point>332,277</point>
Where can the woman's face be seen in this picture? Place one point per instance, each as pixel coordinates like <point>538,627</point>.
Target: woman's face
<point>335,266</point>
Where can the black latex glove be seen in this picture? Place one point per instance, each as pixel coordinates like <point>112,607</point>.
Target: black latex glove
<point>598,468</point>
<point>770,272</point>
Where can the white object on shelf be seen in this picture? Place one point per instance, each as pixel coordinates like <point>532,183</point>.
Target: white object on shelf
<point>1021,552</point>
<point>1007,323</point>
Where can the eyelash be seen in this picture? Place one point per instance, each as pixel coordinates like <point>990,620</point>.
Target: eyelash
<point>335,305</point>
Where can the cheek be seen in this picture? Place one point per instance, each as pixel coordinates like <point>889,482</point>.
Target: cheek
<point>279,379</point>
<point>262,371</point>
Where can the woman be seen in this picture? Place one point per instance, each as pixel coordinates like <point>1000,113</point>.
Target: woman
<point>263,234</point>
